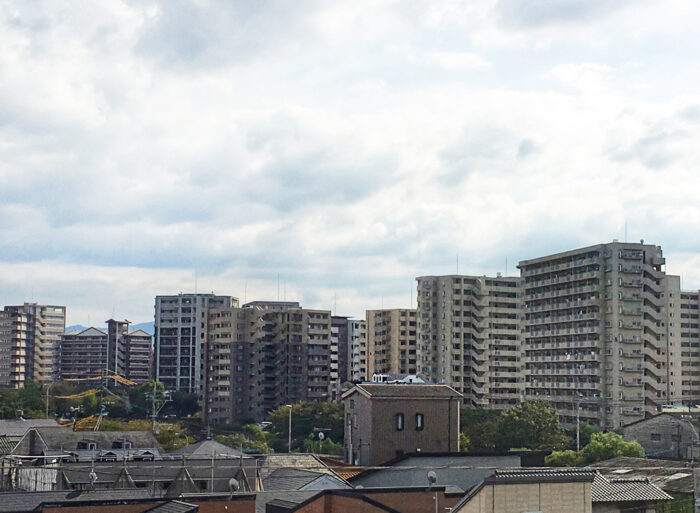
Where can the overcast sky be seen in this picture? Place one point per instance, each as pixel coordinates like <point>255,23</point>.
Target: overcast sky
<point>347,147</point>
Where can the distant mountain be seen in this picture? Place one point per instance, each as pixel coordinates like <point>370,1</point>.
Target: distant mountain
<point>75,327</point>
<point>145,326</point>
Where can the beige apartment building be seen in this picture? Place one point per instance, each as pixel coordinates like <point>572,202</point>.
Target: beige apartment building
<point>469,336</point>
<point>595,332</point>
<point>263,356</point>
<point>30,337</point>
<point>686,323</point>
<point>391,342</point>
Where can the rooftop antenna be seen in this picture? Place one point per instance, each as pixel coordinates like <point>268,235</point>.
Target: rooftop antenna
<point>457,263</point>
<point>195,281</point>
<point>278,286</point>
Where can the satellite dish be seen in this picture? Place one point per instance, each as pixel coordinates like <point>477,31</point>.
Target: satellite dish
<point>432,477</point>
<point>233,485</point>
<point>321,436</point>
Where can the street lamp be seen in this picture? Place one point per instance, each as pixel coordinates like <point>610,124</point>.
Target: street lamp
<point>289,437</point>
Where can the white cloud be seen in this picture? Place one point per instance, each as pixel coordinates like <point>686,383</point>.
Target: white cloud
<point>348,149</point>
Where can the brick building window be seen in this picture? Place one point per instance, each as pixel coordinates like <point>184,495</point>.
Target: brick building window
<point>399,422</point>
<point>420,422</point>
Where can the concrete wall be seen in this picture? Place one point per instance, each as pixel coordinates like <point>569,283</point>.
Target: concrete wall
<point>544,497</point>
<point>663,436</point>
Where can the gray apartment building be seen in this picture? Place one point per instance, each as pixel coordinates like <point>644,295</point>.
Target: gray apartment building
<point>180,333</point>
<point>262,356</point>
<point>357,362</point>
<point>595,332</point>
<point>391,342</point>
<point>89,352</point>
<point>30,341</point>
<point>469,336</point>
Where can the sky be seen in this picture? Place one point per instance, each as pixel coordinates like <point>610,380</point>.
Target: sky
<point>330,152</point>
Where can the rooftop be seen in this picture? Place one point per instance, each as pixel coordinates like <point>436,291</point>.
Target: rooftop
<point>18,427</point>
<point>669,475</point>
<point>404,391</point>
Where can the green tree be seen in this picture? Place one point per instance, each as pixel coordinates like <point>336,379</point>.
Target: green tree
<point>480,426</point>
<point>306,419</point>
<point>568,458</point>
<point>140,398</point>
<point>251,437</point>
<point>604,446</point>
<point>531,424</point>
<point>463,442</point>
<point>183,404</point>
<point>586,430</point>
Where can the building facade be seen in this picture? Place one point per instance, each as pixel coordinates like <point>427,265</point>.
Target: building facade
<point>687,325</point>
<point>357,363</point>
<point>88,353</point>
<point>386,421</point>
<point>469,336</point>
<point>30,337</point>
<point>391,342</point>
<point>595,332</point>
<point>263,356</point>
<point>180,332</point>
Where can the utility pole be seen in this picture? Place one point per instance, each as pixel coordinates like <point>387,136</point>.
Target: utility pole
<point>153,407</point>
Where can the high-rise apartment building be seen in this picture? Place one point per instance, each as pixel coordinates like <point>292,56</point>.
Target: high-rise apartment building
<point>687,324</point>
<point>88,353</point>
<point>339,356</point>
<point>357,363</point>
<point>391,342</point>
<point>262,356</point>
<point>30,335</point>
<point>595,332</point>
<point>469,336</point>
<point>180,331</point>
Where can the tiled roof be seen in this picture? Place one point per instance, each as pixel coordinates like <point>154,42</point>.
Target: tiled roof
<point>344,470</point>
<point>15,427</point>
<point>623,490</point>
<point>406,390</point>
<point>173,507</point>
<point>669,475</point>
<point>7,443</point>
<point>290,479</point>
<point>540,475</point>
<point>67,439</point>
<point>271,462</point>
<point>19,502</point>
<point>207,448</point>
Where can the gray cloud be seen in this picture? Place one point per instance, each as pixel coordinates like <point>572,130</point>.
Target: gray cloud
<point>523,14</point>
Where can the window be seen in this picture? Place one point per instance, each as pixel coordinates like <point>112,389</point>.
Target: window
<point>399,422</point>
<point>419,422</point>
<point>352,403</point>
<point>655,437</point>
